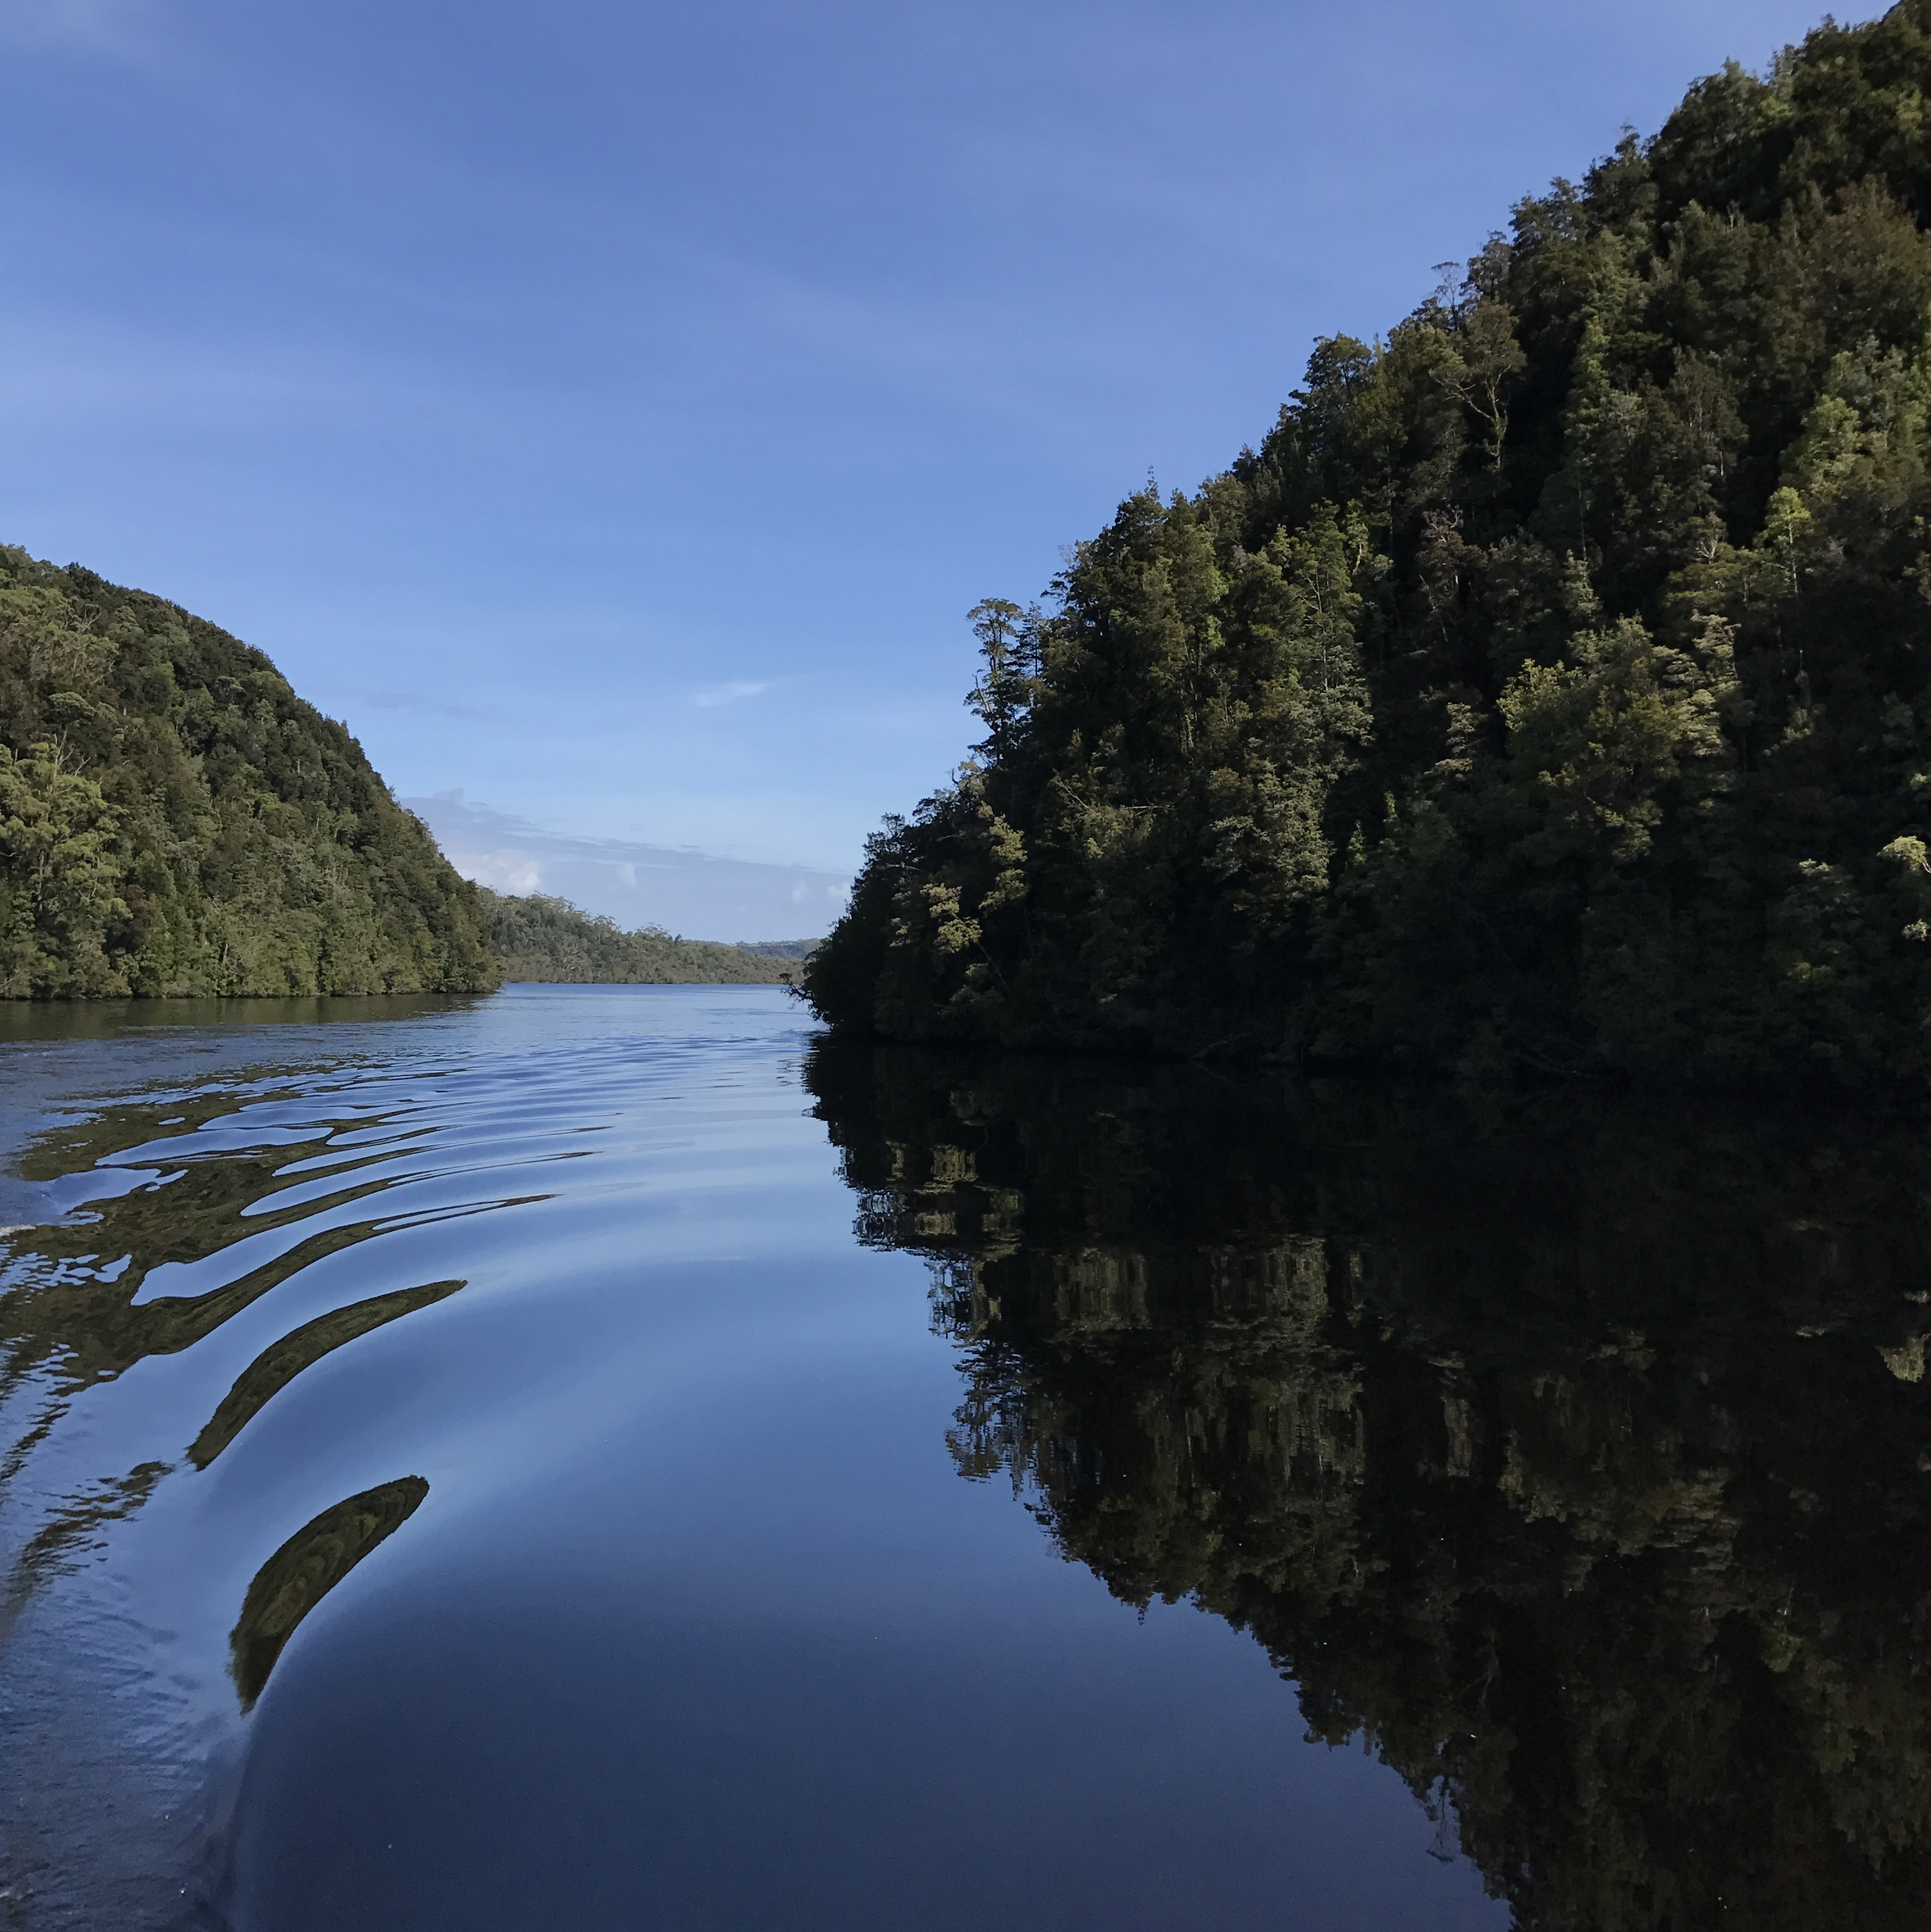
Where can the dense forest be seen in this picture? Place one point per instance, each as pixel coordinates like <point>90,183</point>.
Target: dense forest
<point>1549,691</point>
<point>174,820</point>
<point>1568,1451</point>
<point>542,938</point>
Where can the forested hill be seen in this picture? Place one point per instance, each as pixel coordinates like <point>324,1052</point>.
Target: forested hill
<point>174,819</point>
<point>1550,689</point>
<point>546,939</point>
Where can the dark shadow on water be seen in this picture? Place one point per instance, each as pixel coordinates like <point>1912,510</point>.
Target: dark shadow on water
<point>69,1323</point>
<point>44,1020</point>
<point>307,1567</point>
<point>279,1364</point>
<point>74,1310</point>
<point>1577,1451</point>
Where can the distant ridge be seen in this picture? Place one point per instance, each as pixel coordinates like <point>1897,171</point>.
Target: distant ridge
<point>549,940</point>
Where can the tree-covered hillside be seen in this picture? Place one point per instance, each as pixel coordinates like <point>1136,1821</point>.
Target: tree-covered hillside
<point>174,819</point>
<point>1550,689</point>
<point>546,939</point>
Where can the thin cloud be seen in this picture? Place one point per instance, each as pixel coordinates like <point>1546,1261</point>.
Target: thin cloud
<point>411,701</point>
<point>682,890</point>
<point>728,694</point>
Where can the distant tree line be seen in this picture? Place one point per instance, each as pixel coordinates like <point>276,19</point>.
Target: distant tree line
<point>542,938</point>
<point>1549,691</point>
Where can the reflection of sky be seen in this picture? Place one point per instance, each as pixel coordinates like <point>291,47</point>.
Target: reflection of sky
<point>687,892</point>
<point>611,410</point>
<point>696,1626</point>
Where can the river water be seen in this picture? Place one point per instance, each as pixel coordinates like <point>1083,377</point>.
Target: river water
<point>602,1457</point>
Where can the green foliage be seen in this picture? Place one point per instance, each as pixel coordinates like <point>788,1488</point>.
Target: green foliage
<point>174,820</point>
<point>546,939</point>
<point>55,842</point>
<point>1549,690</point>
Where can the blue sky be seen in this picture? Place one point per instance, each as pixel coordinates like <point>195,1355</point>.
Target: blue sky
<point>611,410</point>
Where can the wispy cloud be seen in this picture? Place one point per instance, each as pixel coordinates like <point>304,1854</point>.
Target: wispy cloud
<point>727,694</point>
<point>682,890</point>
<point>411,701</point>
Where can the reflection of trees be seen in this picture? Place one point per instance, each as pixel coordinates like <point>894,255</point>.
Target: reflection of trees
<point>1575,1451</point>
<point>239,1210</point>
<point>307,1567</point>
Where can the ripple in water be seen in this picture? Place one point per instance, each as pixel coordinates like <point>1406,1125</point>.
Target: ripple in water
<point>596,1457</point>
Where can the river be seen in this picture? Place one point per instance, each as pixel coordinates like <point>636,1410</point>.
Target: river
<point>603,1456</point>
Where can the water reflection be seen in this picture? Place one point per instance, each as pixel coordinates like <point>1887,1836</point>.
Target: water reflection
<point>1576,1452</point>
<point>279,1363</point>
<point>457,1471</point>
<point>307,1567</point>
<point>220,1198</point>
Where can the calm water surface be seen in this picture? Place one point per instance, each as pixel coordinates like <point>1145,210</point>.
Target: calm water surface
<point>596,1457</point>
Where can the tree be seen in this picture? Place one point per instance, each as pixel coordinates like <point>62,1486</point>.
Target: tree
<point>1543,691</point>
<point>61,877</point>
